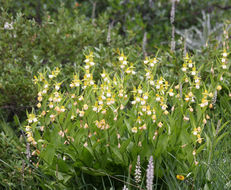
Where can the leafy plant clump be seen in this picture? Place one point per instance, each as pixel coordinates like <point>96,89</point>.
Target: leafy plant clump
<point>100,127</point>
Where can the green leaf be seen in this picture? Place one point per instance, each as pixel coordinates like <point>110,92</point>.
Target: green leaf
<point>161,145</point>
<point>124,145</point>
<point>220,137</point>
<point>48,154</point>
<point>117,154</point>
<point>206,187</point>
<point>90,150</point>
<point>208,175</point>
<point>222,127</point>
<point>127,124</point>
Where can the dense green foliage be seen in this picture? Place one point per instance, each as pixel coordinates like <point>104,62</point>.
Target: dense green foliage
<point>41,36</point>
<point>30,47</point>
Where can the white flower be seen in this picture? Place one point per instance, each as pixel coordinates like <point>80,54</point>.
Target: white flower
<point>224,66</point>
<point>134,129</point>
<point>157,86</point>
<point>144,109</point>
<point>171,94</point>
<point>202,105</point>
<point>80,98</point>
<point>121,58</point>
<point>194,132</point>
<point>149,112</point>
<point>187,99</point>
<point>160,124</point>
<point>143,102</point>
<point>85,107</point>
<point>184,69</point>
<point>92,63</point>
<point>77,84</point>
<point>194,153</point>
<point>81,113</point>
<point>148,75</point>
<point>224,54</point>
<point>52,116</point>
<point>128,71</point>
<point>87,66</point>
<point>51,76</point>
<point>152,82</point>
<point>221,78</point>
<point>137,99</point>
<point>125,62</point>
<point>94,108</point>
<point>28,128</point>
<point>164,107</point>
<point>85,144</point>
<point>8,26</point>
<point>57,87</point>
<point>140,91</point>
<point>186,118</point>
<point>145,97</point>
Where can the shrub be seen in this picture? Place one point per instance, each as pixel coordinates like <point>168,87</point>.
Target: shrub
<point>27,47</point>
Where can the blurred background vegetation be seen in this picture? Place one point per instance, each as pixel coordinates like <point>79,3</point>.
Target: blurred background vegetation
<point>50,33</point>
